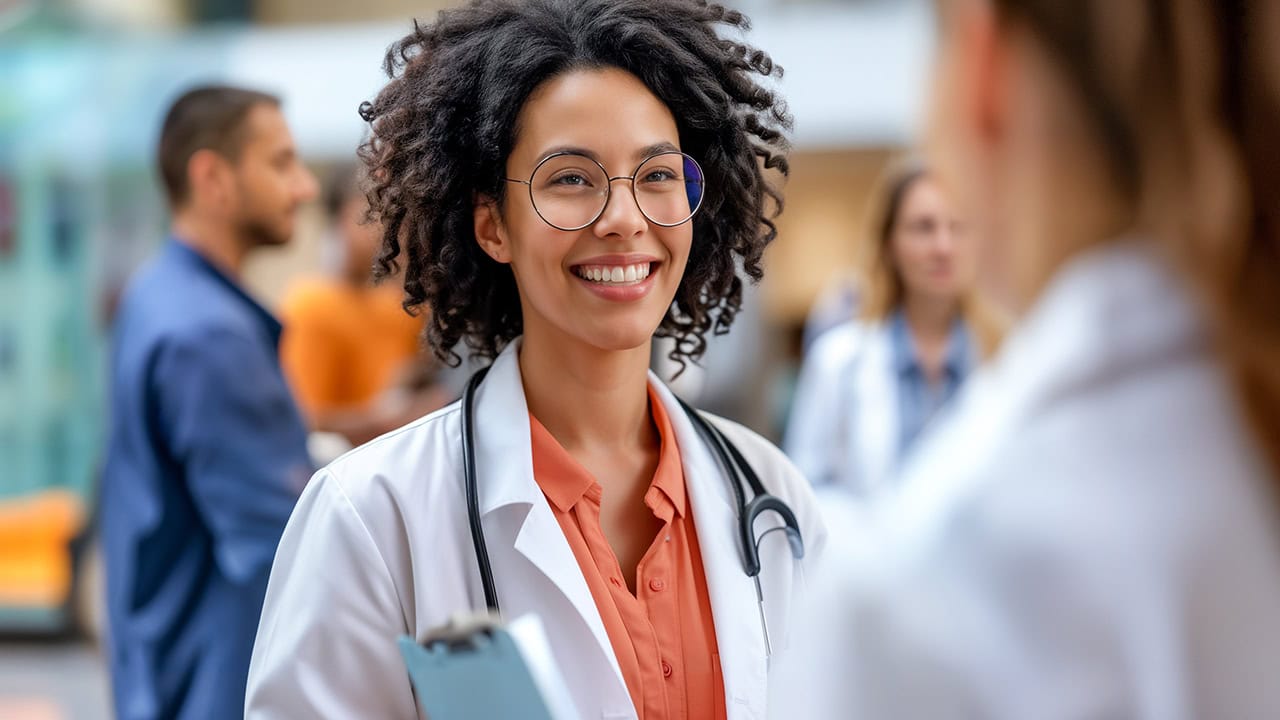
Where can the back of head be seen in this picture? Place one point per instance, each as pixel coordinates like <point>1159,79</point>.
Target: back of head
<point>210,117</point>
<point>1183,97</point>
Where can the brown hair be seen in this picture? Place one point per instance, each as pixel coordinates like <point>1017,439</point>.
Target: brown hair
<point>204,118</point>
<point>1184,98</point>
<point>883,291</point>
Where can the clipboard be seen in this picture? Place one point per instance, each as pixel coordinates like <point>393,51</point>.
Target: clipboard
<point>474,669</point>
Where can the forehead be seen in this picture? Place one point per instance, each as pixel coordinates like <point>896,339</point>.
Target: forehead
<point>923,196</point>
<point>607,111</point>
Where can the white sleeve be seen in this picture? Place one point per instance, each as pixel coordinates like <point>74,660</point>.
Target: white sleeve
<point>1044,623</point>
<point>812,439</point>
<point>326,644</point>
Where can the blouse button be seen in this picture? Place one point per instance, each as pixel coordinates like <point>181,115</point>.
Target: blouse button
<point>657,585</point>
<point>666,669</point>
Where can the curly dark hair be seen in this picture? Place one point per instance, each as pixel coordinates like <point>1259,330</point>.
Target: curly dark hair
<point>442,128</point>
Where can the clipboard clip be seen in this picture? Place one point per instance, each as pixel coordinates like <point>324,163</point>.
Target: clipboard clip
<point>464,631</point>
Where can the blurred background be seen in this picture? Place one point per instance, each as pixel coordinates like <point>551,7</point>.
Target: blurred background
<point>83,84</point>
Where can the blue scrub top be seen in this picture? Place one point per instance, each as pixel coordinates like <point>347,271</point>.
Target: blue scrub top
<point>918,399</point>
<point>206,458</point>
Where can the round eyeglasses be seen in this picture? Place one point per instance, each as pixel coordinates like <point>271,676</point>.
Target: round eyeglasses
<point>570,191</point>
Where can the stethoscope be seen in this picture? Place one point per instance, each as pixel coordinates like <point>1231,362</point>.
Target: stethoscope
<point>731,461</point>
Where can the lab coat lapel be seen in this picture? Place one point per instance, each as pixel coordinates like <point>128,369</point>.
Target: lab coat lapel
<point>504,467</point>
<point>733,596</point>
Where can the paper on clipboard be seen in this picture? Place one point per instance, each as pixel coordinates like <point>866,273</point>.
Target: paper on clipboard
<point>478,669</point>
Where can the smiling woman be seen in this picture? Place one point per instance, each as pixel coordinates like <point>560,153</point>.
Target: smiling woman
<point>562,181</point>
<point>444,132</point>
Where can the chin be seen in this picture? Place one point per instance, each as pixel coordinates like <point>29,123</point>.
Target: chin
<point>618,339</point>
<point>265,235</point>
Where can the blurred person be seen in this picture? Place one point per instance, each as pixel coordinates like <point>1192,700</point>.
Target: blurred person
<point>207,452</point>
<point>837,301</point>
<point>555,225</point>
<point>869,387</point>
<point>1094,535</point>
<point>350,351</point>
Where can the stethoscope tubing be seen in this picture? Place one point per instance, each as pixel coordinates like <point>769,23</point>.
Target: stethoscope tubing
<point>731,460</point>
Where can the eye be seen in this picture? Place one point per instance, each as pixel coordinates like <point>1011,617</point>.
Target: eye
<point>922,226</point>
<point>658,176</point>
<point>571,178</point>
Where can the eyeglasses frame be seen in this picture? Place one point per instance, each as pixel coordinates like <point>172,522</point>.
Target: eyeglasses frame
<point>608,194</point>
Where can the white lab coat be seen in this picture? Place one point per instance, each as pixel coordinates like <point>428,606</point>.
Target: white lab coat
<point>843,429</point>
<point>379,546</point>
<point>1090,535</point>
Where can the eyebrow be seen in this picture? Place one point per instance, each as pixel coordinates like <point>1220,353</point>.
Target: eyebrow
<point>642,153</point>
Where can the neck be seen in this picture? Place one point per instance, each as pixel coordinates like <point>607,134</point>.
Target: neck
<point>215,242</point>
<point>930,317</point>
<point>585,397</point>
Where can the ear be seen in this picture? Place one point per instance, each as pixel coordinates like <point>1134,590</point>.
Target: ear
<point>491,233</point>
<point>209,178</point>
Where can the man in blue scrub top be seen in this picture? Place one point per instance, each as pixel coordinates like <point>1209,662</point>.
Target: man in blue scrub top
<point>208,451</point>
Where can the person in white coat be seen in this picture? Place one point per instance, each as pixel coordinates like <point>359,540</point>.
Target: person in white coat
<point>1094,532</point>
<point>869,386</point>
<point>563,180</point>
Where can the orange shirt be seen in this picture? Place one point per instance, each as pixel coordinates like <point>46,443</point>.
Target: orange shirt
<point>664,635</point>
<point>342,346</point>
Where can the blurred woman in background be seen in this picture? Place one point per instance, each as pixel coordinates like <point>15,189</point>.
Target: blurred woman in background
<point>1095,532</point>
<point>869,386</point>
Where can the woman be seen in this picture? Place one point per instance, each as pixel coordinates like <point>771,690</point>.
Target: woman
<point>1095,533</point>
<point>564,179</point>
<point>870,386</point>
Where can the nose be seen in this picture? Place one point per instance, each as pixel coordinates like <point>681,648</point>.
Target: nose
<point>621,216</point>
<point>944,240</point>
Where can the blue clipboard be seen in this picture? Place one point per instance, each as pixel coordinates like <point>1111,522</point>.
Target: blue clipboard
<point>473,672</point>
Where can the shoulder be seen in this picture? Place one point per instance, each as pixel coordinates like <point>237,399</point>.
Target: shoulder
<point>419,463</point>
<point>1159,461</point>
<point>843,345</point>
<point>171,309</point>
<point>779,476</point>
<point>753,446</point>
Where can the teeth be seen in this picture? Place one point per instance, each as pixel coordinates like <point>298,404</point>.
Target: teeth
<point>615,273</point>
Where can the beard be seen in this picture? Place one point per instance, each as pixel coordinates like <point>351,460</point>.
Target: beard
<point>257,232</point>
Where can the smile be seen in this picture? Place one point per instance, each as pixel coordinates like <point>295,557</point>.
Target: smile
<point>614,274</point>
